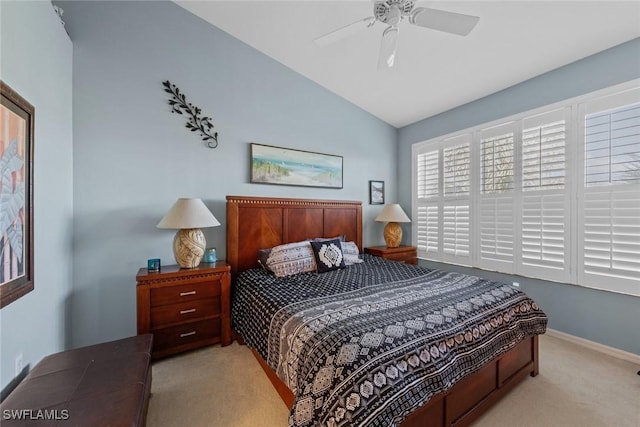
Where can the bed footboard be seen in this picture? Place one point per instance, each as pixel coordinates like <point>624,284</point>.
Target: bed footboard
<point>468,399</point>
<point>477,393</point>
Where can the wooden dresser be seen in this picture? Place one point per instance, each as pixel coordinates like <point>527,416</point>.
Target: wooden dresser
<point>185,308</point>
<point>401,253</point>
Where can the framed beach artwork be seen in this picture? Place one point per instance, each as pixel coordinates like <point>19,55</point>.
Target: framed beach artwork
<point>285,166</point>
<point>16,194</point>
<point>376,192</point>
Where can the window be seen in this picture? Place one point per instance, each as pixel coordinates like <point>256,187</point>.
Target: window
<point>428,184</point>
<point>442,207</point>
<point>609,194</point>
<point>545,197</point>
<point>552,194</point>
<point>497,159</point>
<point>496,197</point>
<point>612,146</point>
<point>456,157</point>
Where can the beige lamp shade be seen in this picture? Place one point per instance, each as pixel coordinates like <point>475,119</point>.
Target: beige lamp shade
<point>188,216</point>
<point>392,214</point>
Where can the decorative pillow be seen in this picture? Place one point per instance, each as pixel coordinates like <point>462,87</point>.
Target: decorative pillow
<point>328,255</point>
<point>292,258</point>
<point>351,253</point>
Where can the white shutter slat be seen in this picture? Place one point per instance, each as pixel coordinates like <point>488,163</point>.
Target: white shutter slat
<point>427,174</point>
<point>496,163</point>
<point>543,230</point>
<point>456,161</point>
<point>496,232</point>
<point>612,146</point>
<point>455,232</point>
<point>543,151</point>
<point>611,239</point>
<point>427,224</point>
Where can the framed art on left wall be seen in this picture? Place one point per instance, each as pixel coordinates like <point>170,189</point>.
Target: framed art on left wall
<point>16,195</point>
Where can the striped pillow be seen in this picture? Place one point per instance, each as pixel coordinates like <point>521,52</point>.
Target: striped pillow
<point>290,259</point>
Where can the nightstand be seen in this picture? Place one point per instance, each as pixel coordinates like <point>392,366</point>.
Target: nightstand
<point>185,308</point>
<point>405,254</point>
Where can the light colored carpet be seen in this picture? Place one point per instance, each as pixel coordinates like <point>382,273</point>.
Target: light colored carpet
<point>226,387</point>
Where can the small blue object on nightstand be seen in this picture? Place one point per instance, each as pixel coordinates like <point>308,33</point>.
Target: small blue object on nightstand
<point>153,264</point>
<point>210,255</point>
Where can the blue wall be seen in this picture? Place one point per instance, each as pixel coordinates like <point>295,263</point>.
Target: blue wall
<point>36,63</point>
<point>604,317</point>
<point>100,196</point>
<point>133,158</point>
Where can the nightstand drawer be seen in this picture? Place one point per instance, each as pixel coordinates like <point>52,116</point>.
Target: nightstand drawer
<point>176,336</point>
<point>164,315</point>
<point>184,292</point>
<point>184,308</point>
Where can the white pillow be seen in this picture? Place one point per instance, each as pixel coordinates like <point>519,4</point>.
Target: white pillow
<point>350,253</point>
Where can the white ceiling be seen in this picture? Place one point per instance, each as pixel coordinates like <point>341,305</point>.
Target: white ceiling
<point>434,71</point>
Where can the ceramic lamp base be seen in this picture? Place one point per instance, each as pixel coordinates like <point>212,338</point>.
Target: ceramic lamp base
<point>188,247</point>
<point>392,234</point>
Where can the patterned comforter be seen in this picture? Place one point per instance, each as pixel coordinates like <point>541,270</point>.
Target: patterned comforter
<point>368,344</point>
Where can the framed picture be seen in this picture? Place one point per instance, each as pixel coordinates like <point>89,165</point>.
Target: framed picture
<point>16,193</point>
<point>376,192</point>
<point>285,166</point>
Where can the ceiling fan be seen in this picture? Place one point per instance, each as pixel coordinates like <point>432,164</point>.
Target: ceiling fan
<point>391,13</point>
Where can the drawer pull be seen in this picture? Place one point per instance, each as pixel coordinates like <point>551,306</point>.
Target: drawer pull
<point>191,310</point>
<point>184,294</point>
<point>187,334</point>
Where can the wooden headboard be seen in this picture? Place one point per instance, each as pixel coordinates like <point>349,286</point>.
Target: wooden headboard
<point>263,222</point>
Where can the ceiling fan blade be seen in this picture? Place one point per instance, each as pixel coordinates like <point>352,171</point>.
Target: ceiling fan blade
<point>346,31</point>
<point>449,22</point>
<point>388,48</point>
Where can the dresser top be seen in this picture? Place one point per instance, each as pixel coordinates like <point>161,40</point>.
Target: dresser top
<point>167,271</point>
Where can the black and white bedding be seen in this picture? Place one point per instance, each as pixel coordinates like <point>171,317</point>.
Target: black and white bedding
<point>368,344</point>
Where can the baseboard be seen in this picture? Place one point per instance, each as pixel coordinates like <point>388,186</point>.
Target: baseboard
<point>610,351</point>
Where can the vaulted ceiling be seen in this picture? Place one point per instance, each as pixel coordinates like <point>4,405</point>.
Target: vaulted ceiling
<point>434,71</point>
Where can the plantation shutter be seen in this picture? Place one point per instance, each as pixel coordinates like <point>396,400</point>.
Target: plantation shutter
<point>496,199</point>
<point>545,196</point>
<point>610,193</point>
<point>426,217</point>
<point>612,147</point>
<point>552,194</point>
<point>456,202</point>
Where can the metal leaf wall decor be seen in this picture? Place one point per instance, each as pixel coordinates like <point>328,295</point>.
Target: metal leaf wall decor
<point>195,121</point>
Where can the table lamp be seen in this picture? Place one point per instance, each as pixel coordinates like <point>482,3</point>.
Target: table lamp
<point>188,216</point>
<point>392,214</point>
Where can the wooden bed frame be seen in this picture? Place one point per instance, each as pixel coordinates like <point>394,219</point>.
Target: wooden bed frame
<point>262,222</point>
